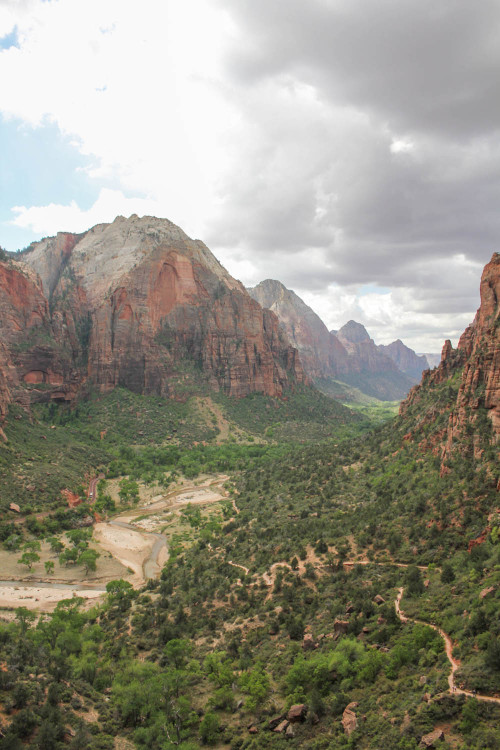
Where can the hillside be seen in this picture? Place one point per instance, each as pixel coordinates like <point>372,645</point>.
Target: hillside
<point>135,304</point>
<point>341,593</point>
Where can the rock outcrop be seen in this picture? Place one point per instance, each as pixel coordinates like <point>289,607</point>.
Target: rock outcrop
<point>349,719</point>
<point>429,740</point>
<point>474,410</point>
<point>137,304</point>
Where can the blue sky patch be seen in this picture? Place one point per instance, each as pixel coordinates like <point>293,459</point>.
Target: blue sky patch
<point>10,40</point>
<point>373,289</point>
<point>39,166</point>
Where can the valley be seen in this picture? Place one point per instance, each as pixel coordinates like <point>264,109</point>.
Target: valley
<point>201,548</point>
<point>133,539</point>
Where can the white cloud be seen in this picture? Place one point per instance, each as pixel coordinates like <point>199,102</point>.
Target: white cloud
<point>302,141</point>
<point>134,85</point>
<point>53,218</point>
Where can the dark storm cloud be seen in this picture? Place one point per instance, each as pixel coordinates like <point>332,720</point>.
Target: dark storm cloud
<point>420,63</point>
<point>374,141</point>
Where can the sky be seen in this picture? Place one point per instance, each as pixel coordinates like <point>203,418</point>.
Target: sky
<point>348,148</point>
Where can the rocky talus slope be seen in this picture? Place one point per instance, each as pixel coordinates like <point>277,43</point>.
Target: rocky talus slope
<point>138,304</point>
<point>468,379</point>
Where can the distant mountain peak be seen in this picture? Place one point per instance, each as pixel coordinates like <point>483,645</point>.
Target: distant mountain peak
<point>405,358</point>
<point>354,332</point>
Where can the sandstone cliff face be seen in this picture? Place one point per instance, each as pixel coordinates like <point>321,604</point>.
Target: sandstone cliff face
<point>405,358</point>
<point>30,352</point>
<point>321,353</point>
<point>479,345</point>
<point>348,355</point>
<point>135,303</point>
<point>474,414</point>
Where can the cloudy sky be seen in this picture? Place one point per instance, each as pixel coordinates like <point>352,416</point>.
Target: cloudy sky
<point>349,148</point>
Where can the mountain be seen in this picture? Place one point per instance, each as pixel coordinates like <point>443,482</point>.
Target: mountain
<point>455,410</point>
<point>322,354</point>
<point>405,358</point>
<point>134,303</point>
<point>373,372</point>
<point>348,355</point>
<point>353,333</point>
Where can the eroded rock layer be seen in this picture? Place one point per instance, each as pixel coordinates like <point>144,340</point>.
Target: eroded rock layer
<point>475,368</point>
<point>138,304</point>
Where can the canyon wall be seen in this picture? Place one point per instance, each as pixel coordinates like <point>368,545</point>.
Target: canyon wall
<point>137,304</point>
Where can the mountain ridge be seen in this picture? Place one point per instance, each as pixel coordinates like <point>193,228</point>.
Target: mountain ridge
<point>348,355</point>
<point>134,303</point>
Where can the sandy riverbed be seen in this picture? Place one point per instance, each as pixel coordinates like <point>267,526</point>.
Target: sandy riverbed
<point>131,548</point>
<point>42,599</point>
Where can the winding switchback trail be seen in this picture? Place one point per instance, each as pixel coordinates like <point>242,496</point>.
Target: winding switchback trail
<point>453,689</point>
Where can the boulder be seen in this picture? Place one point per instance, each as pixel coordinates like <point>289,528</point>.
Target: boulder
<point>309,644</point>
<point>379,600</point>
<point>405,724</point>
<point>349,719</point>
<point>341,626</point>
<point>429,740</point>
<point>282,727</point>
<point>486,592</point>
<point>297,712</point>
<point>273,723</point>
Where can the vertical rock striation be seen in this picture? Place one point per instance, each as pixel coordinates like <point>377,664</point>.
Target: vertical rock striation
<point>474,414</point>
<point>137,304</point>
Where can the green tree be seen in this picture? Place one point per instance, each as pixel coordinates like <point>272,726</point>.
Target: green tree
<point>88,559</point>
<point>56,545</point>
<point>447,573</point>
<point>209,728</point>
<point>28,559</point>
<point>24,617</point>
<point>49,567</point>
<point>414,581</point>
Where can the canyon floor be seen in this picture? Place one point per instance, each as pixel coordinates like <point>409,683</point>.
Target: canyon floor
<point>133,545</point>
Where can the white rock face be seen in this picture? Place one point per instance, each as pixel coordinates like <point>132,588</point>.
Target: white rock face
<point>103,255</point>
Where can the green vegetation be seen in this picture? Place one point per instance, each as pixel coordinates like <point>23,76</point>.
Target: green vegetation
<point>300,416</point>
<point>330,520</point>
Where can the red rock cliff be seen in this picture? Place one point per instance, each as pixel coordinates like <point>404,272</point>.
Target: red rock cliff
<point>475,411</point>
<point>32,353</point>
<point>141,305</point>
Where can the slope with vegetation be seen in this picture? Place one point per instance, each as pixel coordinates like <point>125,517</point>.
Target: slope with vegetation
<point>278,623</point>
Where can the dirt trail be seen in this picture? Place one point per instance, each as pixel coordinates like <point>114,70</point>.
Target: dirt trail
<point>351,563</point>
<point>235,565</point>
<point>449,653</point>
